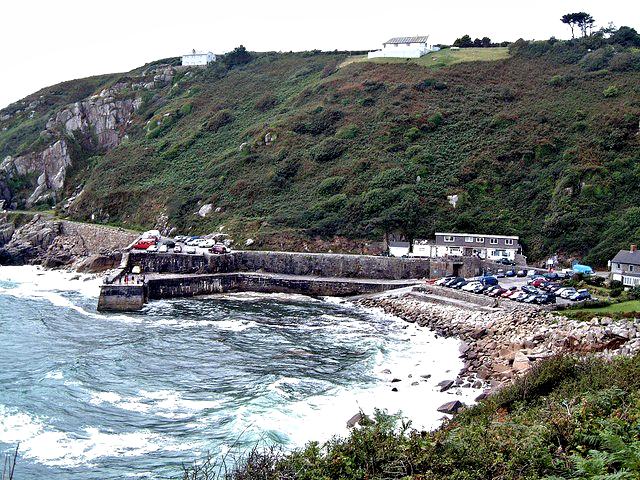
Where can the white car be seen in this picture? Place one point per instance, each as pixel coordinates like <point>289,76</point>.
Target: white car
<point>470,286</point>
<point>152,248</point>
<point>207,244</point>
<point>163,248</point>
<point>568,292</point>
<point>191,249</point>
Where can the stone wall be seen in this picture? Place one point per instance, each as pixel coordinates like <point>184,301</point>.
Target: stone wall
<point>192,285</point>
<point>121,297</point>
<point>460,295</point>
<point>289,263</point>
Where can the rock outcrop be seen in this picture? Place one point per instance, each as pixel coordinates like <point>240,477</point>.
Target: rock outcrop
<point>502,344</point>
<point>60,243</point>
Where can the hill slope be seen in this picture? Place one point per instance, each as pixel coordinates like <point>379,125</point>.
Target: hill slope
<point>288,148</point>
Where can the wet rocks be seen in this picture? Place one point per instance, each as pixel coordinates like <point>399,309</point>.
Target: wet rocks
<point>502,344</point>
<point>451,407</point>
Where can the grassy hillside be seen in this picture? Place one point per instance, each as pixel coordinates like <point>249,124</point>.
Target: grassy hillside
<point>542,144</point>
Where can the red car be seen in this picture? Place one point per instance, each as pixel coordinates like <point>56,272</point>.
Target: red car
<point>508,293</point>
<point>143,244</point>
<point>218,249</point>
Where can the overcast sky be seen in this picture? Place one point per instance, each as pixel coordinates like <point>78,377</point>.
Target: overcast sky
<point>43,42</point>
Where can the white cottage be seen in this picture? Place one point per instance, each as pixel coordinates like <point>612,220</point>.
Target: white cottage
<point>404,47</point>
<point>198,58</point>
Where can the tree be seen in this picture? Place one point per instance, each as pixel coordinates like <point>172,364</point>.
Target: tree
<point>477,43</point>
<point>582,20</point>
<point>463,42</point>
<point>626,36</point>
<point>238,56</point>
<point>486,42</point>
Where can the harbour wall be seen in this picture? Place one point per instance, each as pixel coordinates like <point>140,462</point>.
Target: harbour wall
<point>286,263</point>
<point>206,284</point>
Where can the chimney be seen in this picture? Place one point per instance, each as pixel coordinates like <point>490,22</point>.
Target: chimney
<point>634,248</point>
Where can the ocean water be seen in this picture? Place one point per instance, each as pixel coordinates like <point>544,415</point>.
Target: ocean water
<point>89,395</point>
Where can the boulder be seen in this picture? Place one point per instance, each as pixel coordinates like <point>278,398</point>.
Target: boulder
<point>451,408</point>
<point>445,385</point>
<point>205,210</point>
<point>356,419</point>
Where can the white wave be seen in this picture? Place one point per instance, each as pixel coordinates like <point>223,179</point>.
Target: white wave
<point>36,278</point>
<point>105,397</point>
<point>55,375</point>
<point>53,447</point>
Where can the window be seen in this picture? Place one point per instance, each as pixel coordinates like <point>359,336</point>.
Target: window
<point>479,239</point>
<point>617,265</point>
<point>449,239</point>
<point>631,268</point>
<point>454,250</point>
<point>493,241</point>
<point>508,241</point>
<point>468,239</point>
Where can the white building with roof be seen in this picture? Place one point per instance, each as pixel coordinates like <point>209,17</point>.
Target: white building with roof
<point>404,47</point>
<point>486,247</point>
<point>198,58</point>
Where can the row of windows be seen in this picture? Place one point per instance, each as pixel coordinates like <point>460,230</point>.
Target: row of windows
<point>630,267</point>
<point>492,241</point>
<point>631,281</point>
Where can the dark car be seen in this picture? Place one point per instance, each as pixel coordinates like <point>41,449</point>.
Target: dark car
<point>496,292</point>
<point>459,284</point>
<point>552,276</point>
<point>510,273</point>
<point>545,298</point>
<point>521,273</point>
<point>453,281</point>
<point>218,249</point>
<point>505,261</point>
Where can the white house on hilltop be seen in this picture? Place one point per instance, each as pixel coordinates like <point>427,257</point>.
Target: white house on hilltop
<point>404,47</point>
<point>198,58</point>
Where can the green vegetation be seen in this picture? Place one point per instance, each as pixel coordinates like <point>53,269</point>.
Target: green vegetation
<point>567,418</point>
<point>290,147</point>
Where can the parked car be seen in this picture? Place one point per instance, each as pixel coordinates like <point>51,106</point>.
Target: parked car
<point>459,285</point>
<point>552,276</point>
<point>180,238</point>
<point>505,261</point>
<point>491,288</point>
<point>566,293</point>
<point>208,243</point>
<point>471,285</point>
<point>453,281</point>
<point>443,280</point>
<point>521,273</point>
<point>163,248</point>
<point>152,248</point>
<point>500,273</point>
<point>530,298</point>
<point>497,292</point>
<point>538,282</point>
<point>191,249</point>
<point>580,295</point>
<point>177,249</point>
<point>143,244</point>
<point>510,273</point>
<point>218,249</point>
<point>545,298</point>
<point>519,296</point>
<point>529,289</point>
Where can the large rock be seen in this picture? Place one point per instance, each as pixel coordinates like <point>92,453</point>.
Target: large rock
<point>451,408</point>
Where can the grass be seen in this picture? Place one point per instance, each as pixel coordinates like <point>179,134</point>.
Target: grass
<point>441,58</point>
<point>622,307</point>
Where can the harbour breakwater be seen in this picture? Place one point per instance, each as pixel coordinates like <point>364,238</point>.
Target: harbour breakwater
<point>177,275</point>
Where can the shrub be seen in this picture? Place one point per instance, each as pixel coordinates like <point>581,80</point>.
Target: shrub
<point>388,179</point>
<point>348,132</point>
<point>615,292</point>
<point>616,284</point>
<point>597,60</point>
<point>219,120</point>
<point>436,119</point>
<point>625,62</point>
<point>634,293</point>
<point>412,134</point>
<point>321,122</point>
<point>560,80</point>
<point>331,185</point>
<point>266,102</point>
<point>611,91</point>
<point>238,56</point>
<point>328,149</point>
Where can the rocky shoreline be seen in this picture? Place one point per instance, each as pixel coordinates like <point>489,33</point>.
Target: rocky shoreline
<point>54,243</point>
<point>501,344</point>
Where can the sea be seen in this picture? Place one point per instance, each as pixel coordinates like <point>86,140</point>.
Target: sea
<point>86,395</point>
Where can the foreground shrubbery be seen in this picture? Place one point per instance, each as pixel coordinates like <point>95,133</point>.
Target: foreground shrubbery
<point>568,418</point>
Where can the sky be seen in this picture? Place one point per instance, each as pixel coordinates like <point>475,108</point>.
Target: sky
<point>44,42</point>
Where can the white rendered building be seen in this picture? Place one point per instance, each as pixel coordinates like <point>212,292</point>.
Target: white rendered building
<point>198,58</point>
<point>404,47</point>
<point>486,247</point>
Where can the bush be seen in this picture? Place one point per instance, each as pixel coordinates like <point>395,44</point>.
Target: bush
<point>266,102</point>
<point>634,293</point>
<point>412,134</point>
<point>348,132</point>
<point>328,149</point>
<point>219,120</point>
<point>611,91</point>
<point>331,185</point>
<point>238,56</point>
<point>560,80</point>
<point>598,59</point>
